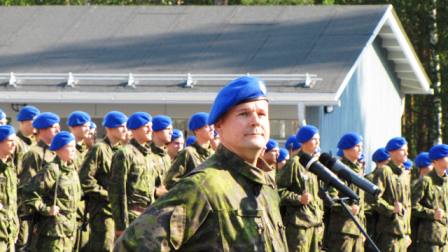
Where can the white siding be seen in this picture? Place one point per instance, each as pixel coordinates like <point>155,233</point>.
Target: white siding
<point>370,105</point>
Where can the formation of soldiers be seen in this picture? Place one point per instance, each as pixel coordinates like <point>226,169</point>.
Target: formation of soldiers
<point>230,189</point>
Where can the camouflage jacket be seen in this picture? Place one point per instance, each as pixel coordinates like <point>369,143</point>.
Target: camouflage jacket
<point>8,200</point>
<point>34,160</point>
<point>81,151</point>
<point>340,221</point>
<point>225,204</point>
<point>293,180</point>
<point>162,160</point>
<point>133,178</point>
<point>58,180</point>
<point>23,145</point>
<point>430,193</point>
<point>395,185</point>
<point>95,176</point>
<point>188,159</point>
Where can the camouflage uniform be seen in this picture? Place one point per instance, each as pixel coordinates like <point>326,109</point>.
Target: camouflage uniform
<point>162,160</point>
<point>370,213</point>
<point>9,223</point>
<point>83,231</point>
<point>95,177</point>
<point>133,178</point>
<point>223,205</point>
<point>344,234</point>
<point>304,227</point>
<point>37,157</point>
<point>392,228</point>
<point>430,193</point>
<point>55,233</point>
<point>188,159</point>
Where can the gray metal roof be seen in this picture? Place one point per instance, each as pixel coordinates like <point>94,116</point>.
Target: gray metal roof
<point>325,41</point>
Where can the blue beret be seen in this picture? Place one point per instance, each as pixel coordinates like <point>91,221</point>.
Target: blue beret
<point>78,118</point>
<point>138,119</point>
<point>92,125</point>
<point>236,92</point>
<point>114,119</point>
<point>340,153</point>
<point>292,143</point>
<point>349,141</point>
<point>197,121</point>
<point>395,143</point>
<point>422,160</point>
<point>283,154</point>
<point>177,133</point>
<point>439,151</point>
<point>380,155</point>
<point>27,113</point>
<point>2,114</point>
<point>60,140</point>
<point>271,144</point>
<point>407,164</point>
<point>45,120</point>
<point>161,122</point>
<point>190,140</point>
<point>6,131</point>
<point>306,133</point>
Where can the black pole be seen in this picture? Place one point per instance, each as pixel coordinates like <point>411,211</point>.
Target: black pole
<point>347,210</point>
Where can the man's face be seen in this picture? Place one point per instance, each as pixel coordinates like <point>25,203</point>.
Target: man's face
<point>245,126</point>
<point>311,145</point>
<point>144,133</point>
<point>119,133</point>
<point>399,156</point>
<point>271,156</point>
<point>81,132</point>
<point>165,134</point>
<point>8,145</point>
<point>175,146</point>
<point>441,163</point>
<point>50,132</point>
<point>27,127</point>
<point>353,153</point>
<point>204,133</point>
<point>68,152</point>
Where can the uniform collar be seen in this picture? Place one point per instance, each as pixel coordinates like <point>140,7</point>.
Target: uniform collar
<point>5,165</point>
<point>24,138</point>
<point>395,168</point>
<point>64,167</point>
<point>140,147</point>
<point>201,150</point>
<point>235,163</point>
<point>81,147</point>
<point>108,142</point>
<point>42,144</point>
<point>161,151</point>
<point>356,167</point>
<point>437,178</point>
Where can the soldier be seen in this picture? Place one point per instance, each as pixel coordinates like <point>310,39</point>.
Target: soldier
<point>344,234</point>
<point>9,223</point>
<point>79,124</point>
<point>394,202</point>
<point>55,193</point>
<point>430,203</point>
<point>25,135</point>
<point>3,119</point>
<point>271,152</point>
<point>133,174</point>
<point>192,156</point>
<point>47,126</point>
<point>162,127</point>
<point>424,166</point>
<point>292,145</point>
<point>299,191</point>
<point>90,140</point>
<point>95,180</point>
<point>176,144</point>
<point>283,157</point>
<point>25,138</point>
<point>381,157</point>
<point>228,203</point>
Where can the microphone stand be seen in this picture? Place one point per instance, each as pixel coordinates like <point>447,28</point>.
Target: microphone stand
<point>347,210</point>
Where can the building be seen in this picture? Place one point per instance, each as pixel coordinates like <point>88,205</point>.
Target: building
<point>341,68</point>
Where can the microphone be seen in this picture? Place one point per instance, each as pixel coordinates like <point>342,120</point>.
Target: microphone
<point>323,173</point>
<point>348,174</point>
